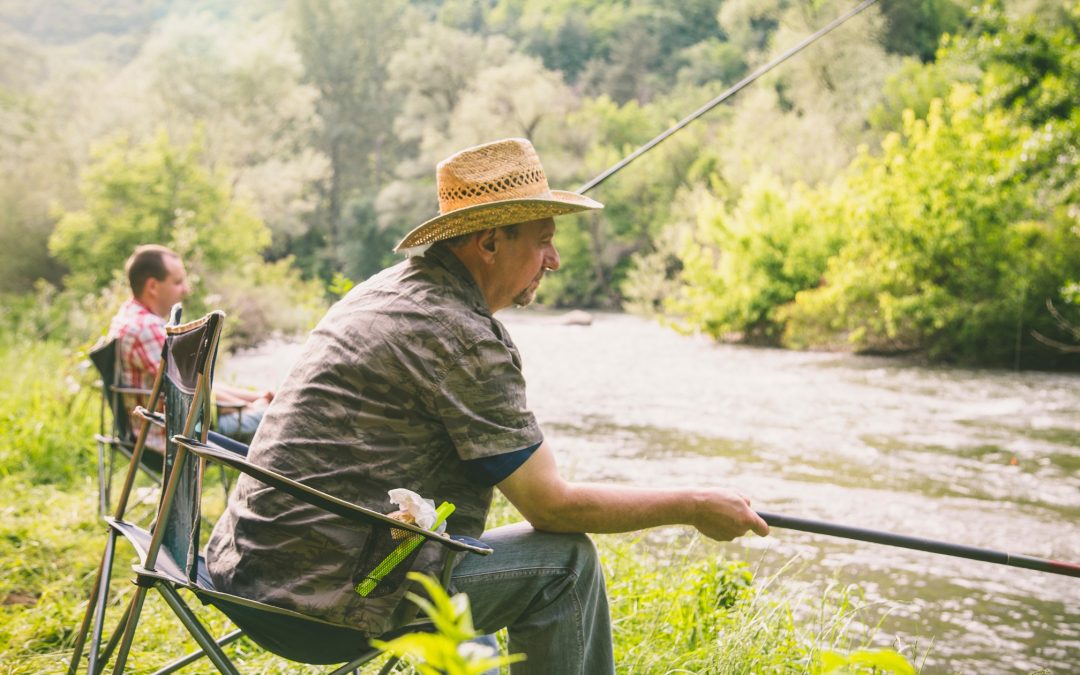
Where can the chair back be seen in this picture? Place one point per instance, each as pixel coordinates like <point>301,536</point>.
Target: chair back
<point>107,362</point>
<point>187,374</point>
<point>103,356</point>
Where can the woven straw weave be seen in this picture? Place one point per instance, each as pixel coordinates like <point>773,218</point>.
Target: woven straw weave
<point>493,185</point>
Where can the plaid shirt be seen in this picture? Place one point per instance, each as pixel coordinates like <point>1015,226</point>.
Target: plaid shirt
<point>140,335</point>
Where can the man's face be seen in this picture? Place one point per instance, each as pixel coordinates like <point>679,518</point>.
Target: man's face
<point>170,290</point>
<point>522,261</point>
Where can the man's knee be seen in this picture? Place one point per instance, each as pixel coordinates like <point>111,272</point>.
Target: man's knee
<point>581,560</point>
<point>583,552</point>
<point>573,551</point>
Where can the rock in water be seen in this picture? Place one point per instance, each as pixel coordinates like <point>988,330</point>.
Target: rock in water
<point>576,318</point>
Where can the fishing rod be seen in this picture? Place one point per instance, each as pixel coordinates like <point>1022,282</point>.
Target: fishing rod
<point>919,544</point>
<point>749,79</point>
<point>815,526</point>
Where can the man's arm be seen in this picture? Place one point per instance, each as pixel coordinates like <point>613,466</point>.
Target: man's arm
<point>231,396</point>
<point>550,503</point>
<point>237,397</point>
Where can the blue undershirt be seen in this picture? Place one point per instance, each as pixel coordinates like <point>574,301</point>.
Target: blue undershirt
<point>489,471</point>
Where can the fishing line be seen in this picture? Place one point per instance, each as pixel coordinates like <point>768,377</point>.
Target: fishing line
<point>749,79</point>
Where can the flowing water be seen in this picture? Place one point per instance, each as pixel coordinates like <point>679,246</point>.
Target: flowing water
<point>977,457</point>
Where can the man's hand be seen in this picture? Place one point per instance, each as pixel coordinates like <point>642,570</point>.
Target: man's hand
<point>725,515</point>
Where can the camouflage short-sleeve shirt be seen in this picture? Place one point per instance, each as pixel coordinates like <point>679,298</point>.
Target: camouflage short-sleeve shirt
<point>405,378</point>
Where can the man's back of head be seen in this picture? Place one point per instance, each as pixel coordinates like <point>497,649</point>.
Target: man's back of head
<point>157,277</point>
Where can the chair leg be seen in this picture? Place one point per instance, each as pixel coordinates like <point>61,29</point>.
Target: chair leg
<point>103,490</point>
<point>132,621</point>
<point>195,627</point>
<point>198,654</point>
<point>114,640</point>
<point>95,610</point>
<point>84,627</point>
<point>102,600</point>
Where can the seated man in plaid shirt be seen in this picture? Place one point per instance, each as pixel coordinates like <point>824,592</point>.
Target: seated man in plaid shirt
<point>158,281</point>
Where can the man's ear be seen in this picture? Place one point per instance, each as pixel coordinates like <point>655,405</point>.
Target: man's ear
<point>150,288</point>
<point>488,244</point>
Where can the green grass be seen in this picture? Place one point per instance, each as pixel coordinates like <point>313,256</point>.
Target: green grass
<point>677,608</point>
<point>48,413</point>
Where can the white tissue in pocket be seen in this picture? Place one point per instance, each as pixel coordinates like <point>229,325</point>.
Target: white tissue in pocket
<point>422,510</point>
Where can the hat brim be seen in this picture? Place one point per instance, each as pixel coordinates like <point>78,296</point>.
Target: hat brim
<point>496,214</point>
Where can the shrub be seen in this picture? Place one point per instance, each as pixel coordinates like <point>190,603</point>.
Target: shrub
<point>743,266</point>
<point>944,251</point>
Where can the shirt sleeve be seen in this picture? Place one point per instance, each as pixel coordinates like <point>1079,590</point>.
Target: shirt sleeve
<point>490,471</point>
<point>481,402</point>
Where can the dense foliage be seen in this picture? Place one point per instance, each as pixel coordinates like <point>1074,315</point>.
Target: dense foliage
<point>280,139</point>
<point>950,239</point>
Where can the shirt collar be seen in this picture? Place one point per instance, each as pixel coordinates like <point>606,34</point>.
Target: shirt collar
<point>443,257</point>
<point>141,306</point>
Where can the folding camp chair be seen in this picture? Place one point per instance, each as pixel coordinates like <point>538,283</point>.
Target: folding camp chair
<point>168,555</point>
<point>118,438</point>
<point>134,447</point>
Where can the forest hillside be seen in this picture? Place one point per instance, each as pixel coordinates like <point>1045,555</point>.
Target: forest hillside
<point>906,185</point>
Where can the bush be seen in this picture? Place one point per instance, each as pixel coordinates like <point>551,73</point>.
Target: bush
<point>262,301</point>
<point>153,193</point>
<point>743,266</point>
<point>944,251</point>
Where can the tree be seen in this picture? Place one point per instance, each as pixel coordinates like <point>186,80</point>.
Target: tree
<point>238,81</point>
<point>38,157</point>
<point>513,98</point>
<point>153,192</point>
<point>345,48</point>
<point>432,71</point>
<point>30,166</point>
<point>914,27</point>
<point>460,90</point>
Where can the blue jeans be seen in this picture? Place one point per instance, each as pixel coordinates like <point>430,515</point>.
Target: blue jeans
<point>240,426</point>
<point>548,591</point>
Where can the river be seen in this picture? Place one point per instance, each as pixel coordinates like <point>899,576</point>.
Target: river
<point>984,458</point>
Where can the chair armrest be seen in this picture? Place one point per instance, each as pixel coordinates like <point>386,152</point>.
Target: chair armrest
<point>229,407</point>
<point>318,498</point>
<point>155,418</point>
<point>225,443</point>
<point>472,542</point>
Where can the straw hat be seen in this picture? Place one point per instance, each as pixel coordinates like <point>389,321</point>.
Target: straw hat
<point>493,185</point>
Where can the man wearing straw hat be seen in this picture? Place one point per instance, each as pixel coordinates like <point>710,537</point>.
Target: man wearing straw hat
<point>410,381</point>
